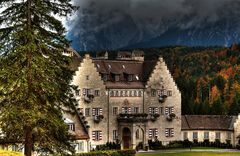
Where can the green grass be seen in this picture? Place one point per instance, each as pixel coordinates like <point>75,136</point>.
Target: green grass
<point>191,154</point>
<point>9,153</point>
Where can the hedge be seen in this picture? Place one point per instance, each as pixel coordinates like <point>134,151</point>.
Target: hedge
<point>109,153</point>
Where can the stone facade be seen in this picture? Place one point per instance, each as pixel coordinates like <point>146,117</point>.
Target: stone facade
<point>129,100</point>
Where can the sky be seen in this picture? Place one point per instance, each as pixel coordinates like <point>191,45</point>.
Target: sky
<point>113,24</point>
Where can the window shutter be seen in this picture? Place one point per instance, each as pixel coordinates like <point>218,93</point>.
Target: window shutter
<point>172,132</point>
<point>84,91</point>
<point>129,110</point>
<point>100,135</point>
<point>164,92</point>
<point>150,133</point>
<point>156,132</point>
<point>156,110</point>
<point>166,132</point>
<point>100,111</point>
<point>166,111</point>
<point>73,127</point>
<point>94,135</point>
<point>94,111</point>
<point>172,109</point>
<point>123,110</point>
<point>150,110</point>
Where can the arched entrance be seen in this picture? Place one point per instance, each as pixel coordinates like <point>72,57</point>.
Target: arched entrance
<point>126,137</point>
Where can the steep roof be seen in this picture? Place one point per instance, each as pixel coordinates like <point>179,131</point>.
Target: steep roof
<point>80,132</point>
<point>208,122</point>
<point>140,70</point>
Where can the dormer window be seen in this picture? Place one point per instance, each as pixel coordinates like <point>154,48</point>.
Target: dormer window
<point>104,77</point>
<point>117,77</point>
<point>130,77</point>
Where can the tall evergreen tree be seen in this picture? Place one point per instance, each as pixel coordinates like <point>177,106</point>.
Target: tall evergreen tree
<point>34,75</point>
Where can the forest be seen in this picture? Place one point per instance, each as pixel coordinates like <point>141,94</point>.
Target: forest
<point>208,77</point>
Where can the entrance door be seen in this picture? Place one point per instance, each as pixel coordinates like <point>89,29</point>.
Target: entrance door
<point>126,137</point>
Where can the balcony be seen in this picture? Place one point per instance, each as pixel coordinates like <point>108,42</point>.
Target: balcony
<point>170,117</point>
<point>140,117</point>
<point>153,117</point>
<point>88,98</point>
<point>98,118</point>
<point>162,98</point>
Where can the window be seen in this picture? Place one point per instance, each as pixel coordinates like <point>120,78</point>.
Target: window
<point>153,92</point>
<point>169,93</point>
<point>161,79</point>
<point>135,93</point>
<point>153,110</point>
<point>97,92</point>
<point>87,111</point>
<point>195,135</point>
<point>81,146</point>
<point>137,134</point>
<point>87,77</point>
<point>153,133</point>
<point>104,77</point>
<point>116,93</point>
<point>121,93</point>
<point>71,127</point>
<point>115,135</point>
<point>96,111</point>
<point>136,110</point>
<point>117,77</point>
<point>126,93</point>
<point>80,110</point>
<point>162,92</point>
<point>77,92</point>
<point>111,93</point>
<point>169,110</point>
<point>131,93</point>
<point>115,110</point>
<point>14,147</point>
<point>96,135</point>
<point>206,135</point>
<point>87,91</point>
<point>169,132</point>
<point>130,77</point>
<point>185,135</point>
<point>126,110</point>
<point>139,93</point>
<point>161,110</point>
<point>228,136</point>
<point>218,135</point>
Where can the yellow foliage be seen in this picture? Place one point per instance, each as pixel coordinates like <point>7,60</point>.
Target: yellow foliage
<point>10,153</point>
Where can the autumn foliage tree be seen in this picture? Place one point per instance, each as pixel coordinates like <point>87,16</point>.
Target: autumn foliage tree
<point>34,77</point>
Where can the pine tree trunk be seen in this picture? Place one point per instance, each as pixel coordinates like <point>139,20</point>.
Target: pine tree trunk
<point>28,141</point>
<point>28,130</point>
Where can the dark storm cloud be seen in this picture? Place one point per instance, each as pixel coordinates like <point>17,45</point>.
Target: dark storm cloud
<point>150,17</point>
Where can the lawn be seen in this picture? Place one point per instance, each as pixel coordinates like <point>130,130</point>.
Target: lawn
<point>9,153</point>
<point>190,154</point>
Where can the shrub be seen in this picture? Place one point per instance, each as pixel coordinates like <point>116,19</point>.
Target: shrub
<point>109,153</point>
<point>155,145</point>
<point>109,146</point>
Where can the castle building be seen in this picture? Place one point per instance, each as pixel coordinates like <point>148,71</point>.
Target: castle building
<point>131,101</point>
<point>127,99</point>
